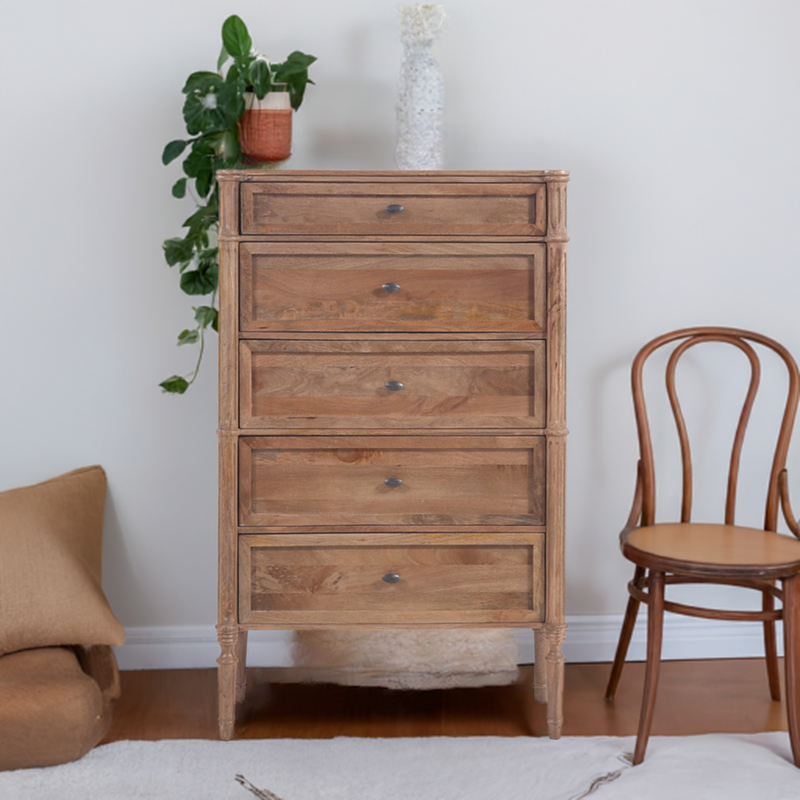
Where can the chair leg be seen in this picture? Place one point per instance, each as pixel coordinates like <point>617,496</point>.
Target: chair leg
<point>791,647</point>
<point>655,628</point>
<point>624,639</point>
<point>771,649</point>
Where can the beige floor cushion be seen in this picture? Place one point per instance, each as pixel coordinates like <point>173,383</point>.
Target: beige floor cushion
<point>51,711</point>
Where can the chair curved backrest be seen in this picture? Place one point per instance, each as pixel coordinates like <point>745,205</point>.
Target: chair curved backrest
<point>684,340</point>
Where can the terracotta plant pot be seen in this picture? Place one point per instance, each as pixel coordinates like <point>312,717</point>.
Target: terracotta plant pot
<point>265,129</point>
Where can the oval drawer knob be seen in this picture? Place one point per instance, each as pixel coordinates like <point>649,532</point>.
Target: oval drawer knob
<point>393,386</point>
<point>391,577</point>
<point>390,288</point>
<point>394,208</point>
<point>393,483</point>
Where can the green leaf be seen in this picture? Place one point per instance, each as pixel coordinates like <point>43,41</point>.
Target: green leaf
<point>224,55</point>
<point>188,337</point>
<point>235,37</point>
<point>296,63</point>
<point>211,104</point>
<point>202,219</point>
<point>202,280</point>
<point>179,189</point>
<point>297,90</point>
<point>228,147</point>
<point>294,72</point>
<point>200,166</point>
<point>200,82</point>
<point>173,150</point>
<point>201,222</point>
<point>205,316</point>
<point>192,283</point>
<point>204,182</point>
<point>174,385</point>
<point>209,259</point>
<point>178,251</point>
<point>194,163</point>
<point>260,78</point>
<point>200,235</point>
<point>233,74</point>
<point>230,105</point>
<point>200,113</point>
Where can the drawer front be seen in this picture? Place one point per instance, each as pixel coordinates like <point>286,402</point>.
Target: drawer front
<point>354,286</point>
<point>397,384</point>
<point>457,579</point>
<point>430,209</point>
<point>391,480</point>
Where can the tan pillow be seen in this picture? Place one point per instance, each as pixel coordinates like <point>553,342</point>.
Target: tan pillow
<point>50,560</point>
<point>51,711</point>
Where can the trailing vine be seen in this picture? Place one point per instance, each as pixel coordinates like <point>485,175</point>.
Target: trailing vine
<point>214,103</point>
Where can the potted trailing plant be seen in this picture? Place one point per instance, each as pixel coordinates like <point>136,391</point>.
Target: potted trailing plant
<point>218,116</point>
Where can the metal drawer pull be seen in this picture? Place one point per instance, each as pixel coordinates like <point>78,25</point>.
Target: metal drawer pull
<point>393,386</point>
<point>389,288</point>
<point>391,577</point>
<point>394,208</point>
<point>393,482</point>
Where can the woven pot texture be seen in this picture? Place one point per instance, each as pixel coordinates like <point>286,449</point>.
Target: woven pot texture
<point>265,134</point>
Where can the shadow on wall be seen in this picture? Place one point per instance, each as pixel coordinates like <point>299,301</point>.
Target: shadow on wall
<point>352,124</point>
<point>346,133</point>
<point>611,429</point>
<point>119,580</point>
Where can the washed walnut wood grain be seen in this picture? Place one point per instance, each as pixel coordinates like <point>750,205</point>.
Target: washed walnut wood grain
<point>342,480</point>
<point>555,629</point>
<point>327,296</point>
<point>337,286</point>
<point>332,384</point>
<point>297,579</point>
<point>428,207</point>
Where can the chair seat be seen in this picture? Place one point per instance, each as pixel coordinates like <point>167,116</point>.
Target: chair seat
<point>708,549</point>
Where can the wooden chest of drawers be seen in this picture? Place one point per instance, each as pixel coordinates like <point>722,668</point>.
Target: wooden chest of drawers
<point>392,407</point>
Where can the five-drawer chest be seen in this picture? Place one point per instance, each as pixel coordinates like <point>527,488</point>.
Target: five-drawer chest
<point>392,408</point>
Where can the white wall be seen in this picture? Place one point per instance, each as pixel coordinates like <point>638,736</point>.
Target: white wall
<point>679,122</point>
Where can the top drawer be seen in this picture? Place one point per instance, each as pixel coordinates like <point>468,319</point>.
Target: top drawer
<point>425,209</point>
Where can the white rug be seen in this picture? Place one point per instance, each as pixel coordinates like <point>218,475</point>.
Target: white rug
<point>751,767</point>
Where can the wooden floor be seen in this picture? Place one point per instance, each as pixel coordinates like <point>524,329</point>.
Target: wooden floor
<point>694,697</point>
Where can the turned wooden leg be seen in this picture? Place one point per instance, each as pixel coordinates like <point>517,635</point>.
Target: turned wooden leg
<point>655,628</point>
<point>555,679</point>
<point>771,649</point>
<point>624,639</point>
<point>226,679</point>
<point>540,666</point>
<point>241,666</point>
<point>791,652</point>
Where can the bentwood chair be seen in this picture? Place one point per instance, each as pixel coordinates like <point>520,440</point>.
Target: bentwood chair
<point>667,553</point>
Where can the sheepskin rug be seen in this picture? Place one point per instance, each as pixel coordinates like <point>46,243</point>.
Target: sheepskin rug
<point>407,658</point>
<point>710,767</point>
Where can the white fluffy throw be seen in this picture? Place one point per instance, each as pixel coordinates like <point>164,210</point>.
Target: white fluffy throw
<point>408,658</point>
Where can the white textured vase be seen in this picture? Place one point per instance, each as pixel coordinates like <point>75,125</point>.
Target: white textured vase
<point>420,105</point>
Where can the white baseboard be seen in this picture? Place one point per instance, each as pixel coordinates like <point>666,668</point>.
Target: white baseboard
<point>195,646</point>
<point>589,639</point>
<point>594,638</point>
